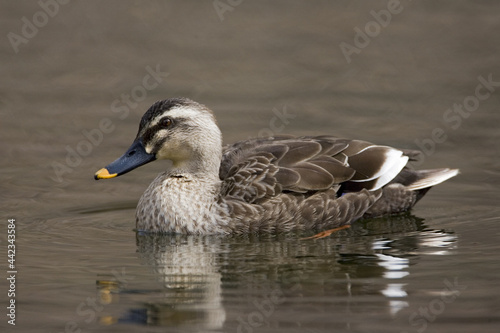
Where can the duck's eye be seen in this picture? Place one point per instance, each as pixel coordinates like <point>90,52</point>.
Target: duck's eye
<point>166,122</point>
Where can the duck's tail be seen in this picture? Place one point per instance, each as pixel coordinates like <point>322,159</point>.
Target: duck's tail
<point>427,178</point>
<point>407,189</point>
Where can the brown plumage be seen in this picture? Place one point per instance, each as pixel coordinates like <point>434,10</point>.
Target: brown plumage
<point>272,184</point>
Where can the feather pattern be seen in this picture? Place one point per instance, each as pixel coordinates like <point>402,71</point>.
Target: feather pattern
<point>274,184</point>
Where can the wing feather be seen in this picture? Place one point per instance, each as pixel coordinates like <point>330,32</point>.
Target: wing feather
<point>258,169</point>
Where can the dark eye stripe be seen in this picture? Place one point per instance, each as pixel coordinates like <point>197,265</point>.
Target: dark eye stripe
<point>149,133</point>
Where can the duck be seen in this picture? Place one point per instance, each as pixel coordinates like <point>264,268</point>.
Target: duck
<point>263,185</point>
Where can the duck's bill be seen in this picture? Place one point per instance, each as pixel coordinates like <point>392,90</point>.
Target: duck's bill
<point>133,158</point>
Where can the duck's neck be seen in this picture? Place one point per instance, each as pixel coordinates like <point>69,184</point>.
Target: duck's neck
<point>200,157</point>
<point>203,165</point>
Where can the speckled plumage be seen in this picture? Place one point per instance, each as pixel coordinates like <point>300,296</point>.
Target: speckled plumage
<point>263,185</point>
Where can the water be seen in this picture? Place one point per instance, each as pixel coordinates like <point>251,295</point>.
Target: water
<point>65,114</point>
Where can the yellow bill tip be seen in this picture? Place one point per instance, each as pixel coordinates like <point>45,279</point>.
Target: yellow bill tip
<point>104,174</point>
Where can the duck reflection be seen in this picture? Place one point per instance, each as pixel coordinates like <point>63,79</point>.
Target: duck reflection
<point>211,282</point>
<point>187,268</point>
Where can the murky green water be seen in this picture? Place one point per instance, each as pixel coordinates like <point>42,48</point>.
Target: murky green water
<point>82,76</point>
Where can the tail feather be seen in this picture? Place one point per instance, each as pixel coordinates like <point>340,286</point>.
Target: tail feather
<point>407,189</point>
<point>428,178</point>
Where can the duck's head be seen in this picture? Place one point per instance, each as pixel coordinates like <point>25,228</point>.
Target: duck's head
<point>176,129</point>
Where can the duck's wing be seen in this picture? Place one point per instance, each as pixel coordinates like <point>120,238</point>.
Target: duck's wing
<point>256,169</point>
